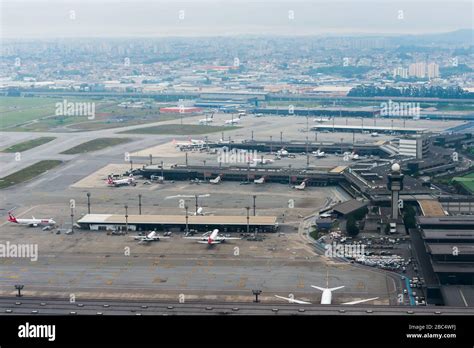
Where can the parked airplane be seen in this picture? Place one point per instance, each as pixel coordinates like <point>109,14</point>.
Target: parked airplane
<point>374,134</point>
<point>211,238</point>
<point>207,120</point>
<point>150,237</point>
<point>326,297</point>
<point>319,154</point>
<point>301,186</point>
<point>216,180</point>
<point>261,161</point>
<point>282,153</point>
<point>121,182</point>
<point>259,181</point>
<point>351,156</point>
<point>200,211</point>
<point>232,121</point>
<point>33,222</point>
<point>321,119</point>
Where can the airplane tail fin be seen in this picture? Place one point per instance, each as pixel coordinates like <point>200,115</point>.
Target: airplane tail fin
<point>109,180</point>
<point>11,217</point>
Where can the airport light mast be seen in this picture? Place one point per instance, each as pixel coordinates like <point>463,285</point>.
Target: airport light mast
<point>88,202</point>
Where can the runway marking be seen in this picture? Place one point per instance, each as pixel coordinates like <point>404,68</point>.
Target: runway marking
<point>242,282</point>
<point>300,282</point>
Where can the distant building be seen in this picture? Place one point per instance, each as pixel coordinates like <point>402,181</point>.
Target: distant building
<point>422,70</point>
<point>417,70</point>
<point>416,147</point>
<point>432,70</point>
<point>401,72</point>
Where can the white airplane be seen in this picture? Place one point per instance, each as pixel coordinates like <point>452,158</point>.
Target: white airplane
<point>33,222</point>
<point>206,120</point>
<point>301,186</point>
<point>351,156</point>
<point>326,297</point>
<point>261,161</point>
<point>374,134</point>
<point>150,237</point>
<point>282,153</point>
<point>319,154</point>
<point>200,211</point>
<point>216,180</point>
<point>121,182</point>
<point>321,119</point>
<point>190,142</point>
<point>259,181</point>
<point>232,121</point>
<point>212,238</point>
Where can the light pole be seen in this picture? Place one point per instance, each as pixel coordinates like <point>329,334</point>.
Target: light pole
<point>88,202</point>
<point>140,204</point>
<point>126,218</point>
<point>248,220</point>
<point>72,220</point>
<point>289,175</point>
<point>186,207</point>
<point>256,293</point>
<point>19,287</point>
<point>254,206</point>
<point>162,173</point>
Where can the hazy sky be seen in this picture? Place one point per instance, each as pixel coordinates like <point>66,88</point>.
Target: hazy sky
<point>158,18</point>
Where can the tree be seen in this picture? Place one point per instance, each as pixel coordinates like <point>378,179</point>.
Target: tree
<point>351,226</point>
<point>409,217</point>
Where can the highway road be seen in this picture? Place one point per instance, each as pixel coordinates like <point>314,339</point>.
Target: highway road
<point>53,306</point>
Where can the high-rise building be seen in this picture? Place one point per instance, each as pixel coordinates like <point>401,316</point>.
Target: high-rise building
<point>422,70</point>
<point>433,70</point>
<point>417,69</point>
<point>402,72</point>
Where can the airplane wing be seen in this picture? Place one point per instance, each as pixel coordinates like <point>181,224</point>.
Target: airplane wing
<point>197,238</point>
<point>206,242</point>
<point>292,300</point>
<point>359,301</point>
<point>228,238</point>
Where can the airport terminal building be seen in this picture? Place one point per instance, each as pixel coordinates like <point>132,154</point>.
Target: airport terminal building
<point>238,224</point>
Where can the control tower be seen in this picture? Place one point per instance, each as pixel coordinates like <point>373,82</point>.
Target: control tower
<point>395,185</point>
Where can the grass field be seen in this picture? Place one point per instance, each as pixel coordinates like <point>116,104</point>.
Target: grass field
<point>96,144</point>
<point>27,145</point>
<point>467,181</point>
<point>177,129</point>
<point>28,173</point>
<point>37,114</point>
